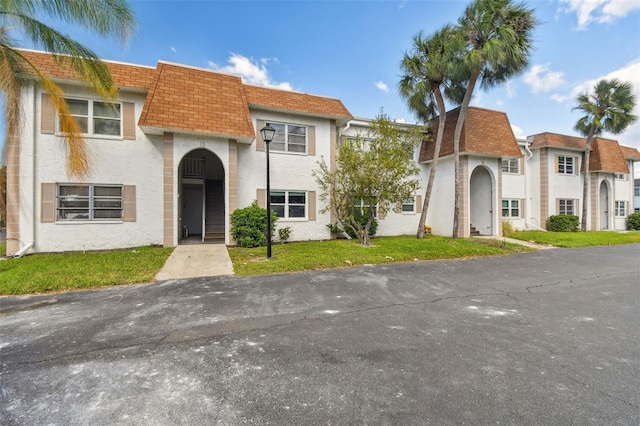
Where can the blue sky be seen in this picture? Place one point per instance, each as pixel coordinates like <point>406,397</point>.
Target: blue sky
<point>352,49</point>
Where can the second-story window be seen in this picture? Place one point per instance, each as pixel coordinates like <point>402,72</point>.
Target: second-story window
<point>96,117</point>
<point>511,166</point>
<point>566,165</point>
<point>289,138</point>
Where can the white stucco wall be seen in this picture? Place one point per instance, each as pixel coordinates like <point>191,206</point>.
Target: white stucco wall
<point>113,161</point>
<point>289,171</point>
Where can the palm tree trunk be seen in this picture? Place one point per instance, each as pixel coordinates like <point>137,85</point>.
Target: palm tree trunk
<point>585,181</point>
<point>442,116</point>
<point>456,149</point>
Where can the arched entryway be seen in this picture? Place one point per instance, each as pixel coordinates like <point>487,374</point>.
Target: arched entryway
<point>481,197</point>
<point>603,209</point>
<point>201,200</point>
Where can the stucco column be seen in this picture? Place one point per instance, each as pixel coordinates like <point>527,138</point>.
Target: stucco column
<point>168,191</point>
<point>464,230</point>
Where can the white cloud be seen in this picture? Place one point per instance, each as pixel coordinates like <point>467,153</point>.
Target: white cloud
<point>599,11</point>
<point>382,86</point>
<point>629,73</point>
<point>518,132</point>
<point>173,49</point>
<point>541,79</point>
<point>251,71</point>
<point>511,91</point>
<point>400,120</point>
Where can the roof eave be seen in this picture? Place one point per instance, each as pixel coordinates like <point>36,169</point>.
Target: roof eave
<point>155,130</point>
<point>340,119</point>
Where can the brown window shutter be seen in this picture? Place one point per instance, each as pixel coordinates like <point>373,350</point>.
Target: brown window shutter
<point>557,159</point>
<point>261,196</point>
<point>311,140</point>
<point>311,201</point>
<point>259,141</point>
<point>47,115</point>
<point>418,203</point>
<point>520,166</point>
<point>129,203</point>
<point>48,206</point>
<point>129,120</point>
<point>557,205</point>
<point>522,208</point>
<point>576,210</point>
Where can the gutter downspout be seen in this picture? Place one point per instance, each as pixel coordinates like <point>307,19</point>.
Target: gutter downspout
<point>32,244</point>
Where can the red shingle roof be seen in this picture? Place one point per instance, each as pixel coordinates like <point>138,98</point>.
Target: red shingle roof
<point>193,100</point>
<point>606,156</point>
<point>485,132</point>
<point>630,153</point>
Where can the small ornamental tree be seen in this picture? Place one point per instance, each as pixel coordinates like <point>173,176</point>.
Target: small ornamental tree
<point>249,225</point>
<point>373,171</point>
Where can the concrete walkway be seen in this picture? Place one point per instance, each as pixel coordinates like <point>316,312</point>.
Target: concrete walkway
<point>196,260</point>
<point>520,242</point>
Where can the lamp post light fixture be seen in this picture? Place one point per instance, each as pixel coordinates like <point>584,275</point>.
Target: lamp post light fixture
<point>267,133</point>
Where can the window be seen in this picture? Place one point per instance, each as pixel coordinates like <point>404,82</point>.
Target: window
<point>636,191</point>
<point>96,117</point>
<point>89,202</point>
<point>621,176</point>
<point>566,206</point>
<point>621,208</point>
<point>510,208</point>
<point>362,207</point>
<point>409,205</point>
<point>566,165</point>
<point>289,138</point>
<point>511,166</point>
<point>289,204</point>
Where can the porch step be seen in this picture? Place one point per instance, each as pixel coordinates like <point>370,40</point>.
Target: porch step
<point>214,237</point>
<point>474,232</point>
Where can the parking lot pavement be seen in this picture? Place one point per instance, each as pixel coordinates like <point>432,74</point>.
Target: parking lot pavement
<point>547,338</point>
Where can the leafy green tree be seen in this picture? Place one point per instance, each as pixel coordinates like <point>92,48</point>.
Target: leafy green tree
<point>108,18</point>
<point>426,75</point>
<point>372,172</point>
<point>607,109</point>
<point>498,37</point>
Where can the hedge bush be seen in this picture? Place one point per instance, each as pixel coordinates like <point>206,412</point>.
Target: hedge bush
<point>633,221</point>
<point>249,225</point>
<point>563,223</point>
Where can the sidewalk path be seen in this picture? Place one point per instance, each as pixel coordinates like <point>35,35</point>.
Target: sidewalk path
<point>196,260</point>
<point>514,241</point>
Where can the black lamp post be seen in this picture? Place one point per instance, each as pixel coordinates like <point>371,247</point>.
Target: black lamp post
<point>267,133</point>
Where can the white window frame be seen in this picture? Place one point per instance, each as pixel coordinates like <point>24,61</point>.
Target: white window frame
<point>636,191</point>
<point>565,163</point>
<point>569,203</point>
<point>510,208</point>
<point>91,117</point>
<point>287,204</point>
<point>360,204</point>
<point>511,166</point>
<point>285,138</point>
<point>621,208</point>
<point>409,201</point>
<point>92,199</point>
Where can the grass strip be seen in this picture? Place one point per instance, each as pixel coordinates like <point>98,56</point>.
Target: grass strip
<point>40,273</point>
<point>578,239</point>
<point>313,255</point>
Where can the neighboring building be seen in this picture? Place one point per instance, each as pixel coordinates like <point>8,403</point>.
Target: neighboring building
<point>636,195</point>
<point>180,150</point>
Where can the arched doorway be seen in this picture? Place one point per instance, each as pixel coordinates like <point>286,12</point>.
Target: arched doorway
<point>604,205</point>
<point>481,197</point>
<point>201,199</point>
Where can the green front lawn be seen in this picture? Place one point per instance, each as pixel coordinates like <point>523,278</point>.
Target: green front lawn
<point>304,256</point>
<point>578,239</point>
<point>40,273</point>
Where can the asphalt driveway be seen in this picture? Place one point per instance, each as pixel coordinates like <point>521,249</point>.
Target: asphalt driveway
<point>548,338</point>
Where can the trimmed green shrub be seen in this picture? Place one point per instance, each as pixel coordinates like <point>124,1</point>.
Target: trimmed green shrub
<point>633,221</point>
<point>362,220</point>
<point>249,225</point>
<point>284,233</point>
<point>563,223</point>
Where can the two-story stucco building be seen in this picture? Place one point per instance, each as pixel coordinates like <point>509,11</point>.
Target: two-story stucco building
<point>180,149</point>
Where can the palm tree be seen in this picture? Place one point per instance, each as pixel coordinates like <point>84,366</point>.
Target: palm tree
<point>426,74</point>
<point>607,109</point>
<point>498,34</point>
<point>109,18</point>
